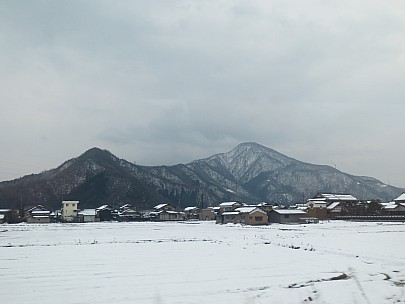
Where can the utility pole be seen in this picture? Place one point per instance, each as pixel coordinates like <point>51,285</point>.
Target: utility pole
<point>202,201</point>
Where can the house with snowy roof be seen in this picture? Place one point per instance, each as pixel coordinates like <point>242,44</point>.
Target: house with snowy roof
<point>87,215</point>
<point>104,213</point>
<point>400,199</point>
<point>129,215</point>
<point>229,206</point>
<point>4,214</point>
<point>229,217</point>
<point>166,212</point>
<point>249,215</point>
<point>393,208</point>
<point>38,214</point>
<point>166,215</point>
<point>252,216</point>
<point>324,199</point>
<point>192,213</point>
<point>166,207</point>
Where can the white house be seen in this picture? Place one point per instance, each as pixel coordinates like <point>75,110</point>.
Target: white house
<point>70,210</point>
<point>87,215</point>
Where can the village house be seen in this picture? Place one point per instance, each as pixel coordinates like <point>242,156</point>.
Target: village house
<point>287,216</point>
<point>104,213</point>
<point>334,209</point>
<point>192,213</point>
<point>394,208</point>
<point>207,214</point>
<point>161,207</point>
<point>320,213</point>
<point>265,207</point>
<point>87,215</point>
<point>324,199</point>
<point>129,215</point>
<point>228,206</point>
<point>165,212</point>
<point>330,205</point>
<point>400,199</point>
<point>70,211</point>
<point>229,217</point>
<point>252,216</point>
<point>249,215</point>
<point>4,214</point>
<point>38,214</point>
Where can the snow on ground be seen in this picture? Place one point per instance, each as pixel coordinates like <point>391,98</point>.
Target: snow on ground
<point>201,262</point>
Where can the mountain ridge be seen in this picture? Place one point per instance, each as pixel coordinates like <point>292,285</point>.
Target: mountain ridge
<point>249,172</point>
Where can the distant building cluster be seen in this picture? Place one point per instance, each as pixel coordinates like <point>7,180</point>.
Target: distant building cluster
<point>323,206</point>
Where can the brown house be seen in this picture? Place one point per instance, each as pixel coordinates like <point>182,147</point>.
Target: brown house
<point>168,215</point>
<point>252,216</point>
<point>207,214</point>
<point>320,213</point>
<point>287,216</point>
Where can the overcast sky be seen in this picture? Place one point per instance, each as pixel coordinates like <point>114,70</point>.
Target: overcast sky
<point>167,82</point>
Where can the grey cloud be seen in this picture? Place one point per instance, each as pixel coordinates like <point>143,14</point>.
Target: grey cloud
<point>168,82</point>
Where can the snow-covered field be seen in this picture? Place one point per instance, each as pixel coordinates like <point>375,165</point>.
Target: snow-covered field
<point>201,262</point>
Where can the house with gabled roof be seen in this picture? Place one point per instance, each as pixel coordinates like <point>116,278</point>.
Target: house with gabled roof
<point>334,209</point>
<point>104,213</point>
<point>166,215</point>
<point>393,208</point>
<point>400,199</point>
<point>192,213</point>
<point>328,198</point>
<point>38,214</point>
<point>166,207</point>
<point>252,216</point>
<point>229,206</point>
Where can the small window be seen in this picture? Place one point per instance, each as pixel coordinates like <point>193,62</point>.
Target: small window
<point>67,205</point>
<point>258,218</point>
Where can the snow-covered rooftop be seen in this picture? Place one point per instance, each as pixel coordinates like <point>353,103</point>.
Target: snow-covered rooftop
<point>228,204</point>
<point>157,207</point>
<point>190,208</point>
<point>37,212</point>
<point>401,197</point>
<point>389,206</point>
<point>289,211</point>
<point>245,209</point>
<point>249,210</point>
<point>340,197</point>
<point>87,212</point>
<point>333,205</point>
<point>102,207</point>
<point>230,213</point>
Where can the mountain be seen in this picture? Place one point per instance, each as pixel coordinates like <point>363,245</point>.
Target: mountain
<point>250,172</point>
